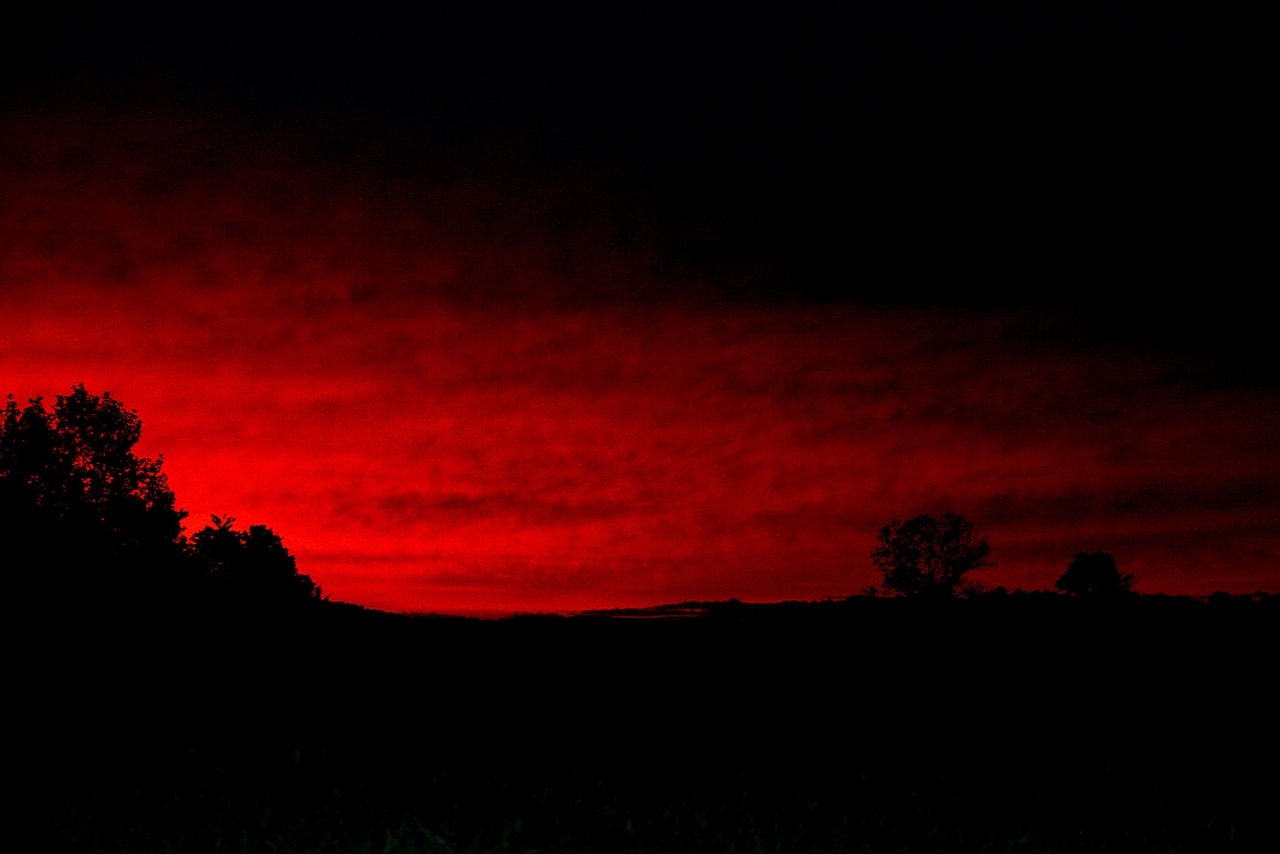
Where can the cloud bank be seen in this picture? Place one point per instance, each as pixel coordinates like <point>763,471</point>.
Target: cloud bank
<point>440,415</point>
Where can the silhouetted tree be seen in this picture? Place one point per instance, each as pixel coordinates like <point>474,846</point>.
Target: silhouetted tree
<point>70,484</point>
<point>251,567</point>
<point>925,556</point>
<point>1094,575</point>
<point>77,464</point>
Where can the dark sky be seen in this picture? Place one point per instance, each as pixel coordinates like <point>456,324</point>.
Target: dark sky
<point>573,304</point>
<point>795,140</point>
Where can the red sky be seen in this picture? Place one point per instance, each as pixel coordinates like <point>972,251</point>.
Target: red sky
<point>442,408</point>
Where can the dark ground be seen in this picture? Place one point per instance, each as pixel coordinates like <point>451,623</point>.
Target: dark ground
<point>1014,723</point>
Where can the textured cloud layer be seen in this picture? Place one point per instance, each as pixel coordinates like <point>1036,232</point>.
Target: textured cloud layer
<point>437,414</point>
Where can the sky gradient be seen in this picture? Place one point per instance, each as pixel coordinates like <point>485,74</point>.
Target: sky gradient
<point>527,365</point>
<point>303,364</point>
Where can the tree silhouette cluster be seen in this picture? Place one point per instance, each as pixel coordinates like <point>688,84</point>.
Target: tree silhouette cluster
<point>251,566</point>
<point>84,518</point>
<point>929,557</point>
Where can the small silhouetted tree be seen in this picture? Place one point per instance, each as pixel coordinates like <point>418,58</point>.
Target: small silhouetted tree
<point>1095,575</point>
<point>926,556</point>
<point>251,567</point>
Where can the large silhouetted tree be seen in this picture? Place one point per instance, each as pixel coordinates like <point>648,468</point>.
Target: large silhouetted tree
<point>1094,575</point>
<point>71,486</point>
<point>926,556</point>
<point>77,465</point>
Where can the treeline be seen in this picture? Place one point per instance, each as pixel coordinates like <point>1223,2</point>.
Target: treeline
<point>88,524</point>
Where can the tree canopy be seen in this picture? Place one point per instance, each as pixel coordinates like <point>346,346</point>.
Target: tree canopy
<point>94,523</point>
<point>1094,575</point>
<point>251,566</point>
<point>927,556</point>
<point>73,472</point>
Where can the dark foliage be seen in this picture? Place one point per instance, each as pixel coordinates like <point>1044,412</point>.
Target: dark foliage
<point>925,556</point>
<point>87,515</point>
<point>1094,575</point>
<point>89,525</point>
<point>251,567</point>
<point>77,466</point>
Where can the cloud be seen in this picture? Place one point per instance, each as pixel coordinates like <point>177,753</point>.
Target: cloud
<point>420,409</point>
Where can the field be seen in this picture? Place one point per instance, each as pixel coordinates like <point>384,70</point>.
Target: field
<point>1019,723</point>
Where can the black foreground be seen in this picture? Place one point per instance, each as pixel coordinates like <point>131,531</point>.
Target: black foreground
<point>1024,722</point>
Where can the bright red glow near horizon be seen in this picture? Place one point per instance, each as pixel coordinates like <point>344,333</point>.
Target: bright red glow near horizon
<point>436,420</point>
